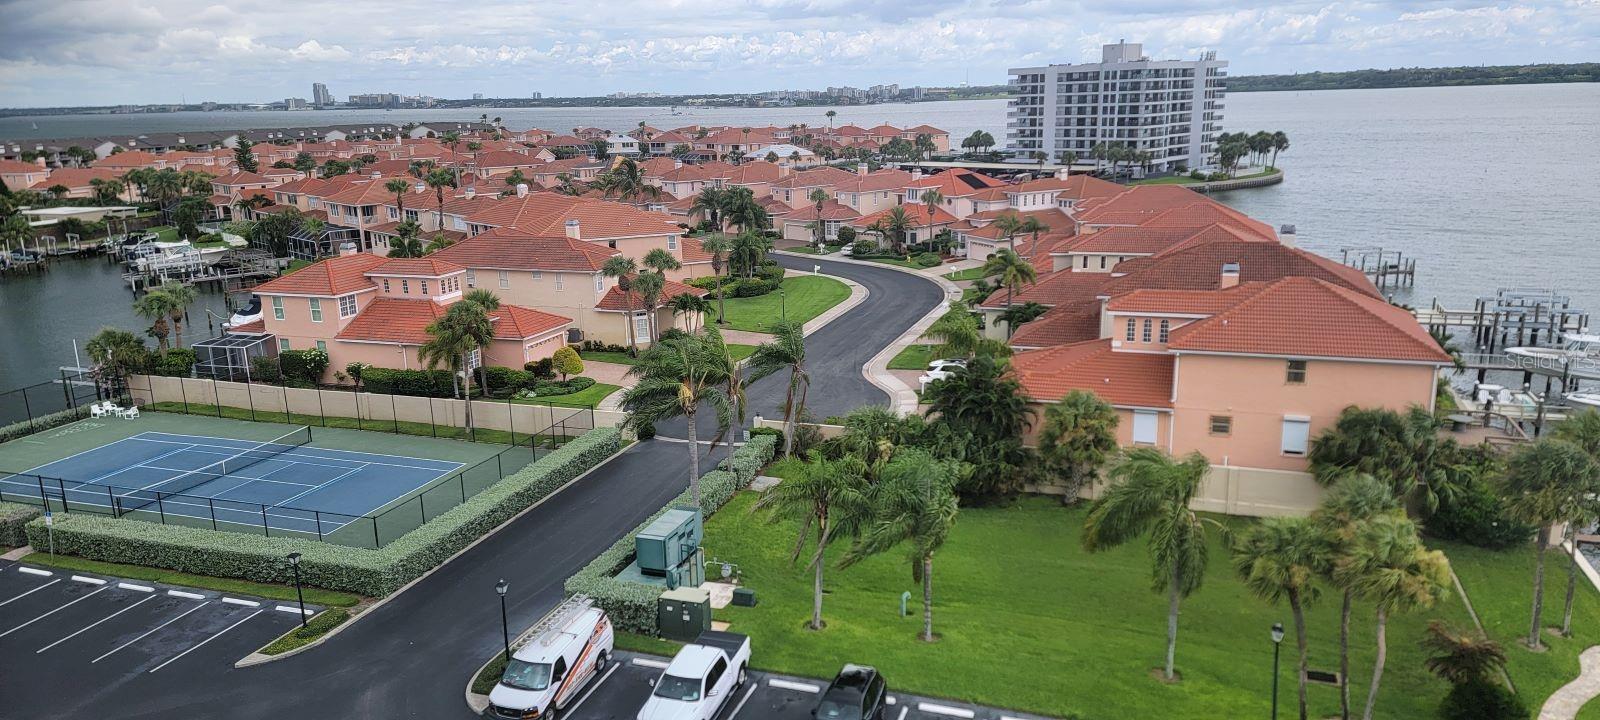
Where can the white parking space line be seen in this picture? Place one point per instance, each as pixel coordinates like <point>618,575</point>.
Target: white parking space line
<point>182,594</point>
<point>137,588</point>
<point>237,601</point>
<point>642,662</point>
<point>34,571</point>
<point>891,700</point>
<point>90,580</point>
<point>742,701</point>
<point>30,592</point>
<point>52,612</point>
<point>903,712</point>
<point>203,642</point>
<point>295,610</point>
<point>790,685</point>
<point>945,710</point>
<point>573,708</point>
<point>150,632</point>
<point>90,625</point>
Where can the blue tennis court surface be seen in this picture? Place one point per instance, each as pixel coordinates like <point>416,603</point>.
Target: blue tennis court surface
<point>292,488</point>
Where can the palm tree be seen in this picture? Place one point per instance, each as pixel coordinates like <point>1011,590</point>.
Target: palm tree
<point>1352,503</point>
<point>157,307</point>
<point>1012,271</point>
<point>399,187</point>
<point>1033,226</point>
<point>1388,566</point>
<point>116,353</point>
<point>747,251</point>
<point>914,502</point>
<point>718,247</point>
<point>708,204</point>
<point>623,268</point>
<point>406,243</point>
<point>1280,559</point>
<point>650,285</point>
<point>930,199</point>
<point>786,349</point>
<point>1150,493</point>
<point>1460,658</point>
<point>675,377</point>
<point>740,208</point>
<point>628,182</point>
<point>1009,224</point>
<point>182,296</point>
<point>692,308</point>
<point>818,197</point>
<point>1280,142</point>
<point>956,332</point>
<point>464,330</point>
<point>831,495</point>
<point>1582,430</point>
<point>1078,436</point>
<point>830,115</point>
<point>439,180</point>
<point>1405,451</point>
<point>1542,485</point>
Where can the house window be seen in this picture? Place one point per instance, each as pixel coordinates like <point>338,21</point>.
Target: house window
<point>1166,328</point>
<point>322,345</point>
<point>283,344</point>
<point>405,287</point>
<point>1102,262</point>
<point>538,276</point>
<point>1131,325</point>
<point>472,279</point>
<point>277,308</point>
<point>386,284</point>
<point>1144,427</point>
<point>505,280</point>
<point>316,310</point>
<point>1222,425</point>
<point>1296,434</point>
<point>641,326</point>
<point>347,306</point>
<point>1145,336</point>
<point>394,214</point>
<point>672,242</point>
<point>1086,262</point>
<point>424,287</point>
<point>1296,374</point>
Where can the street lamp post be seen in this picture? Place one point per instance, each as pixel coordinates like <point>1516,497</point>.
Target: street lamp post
<point>783,304</point>
<point>505,625</point>
<point>1277,644</point>
<point>294,562</point>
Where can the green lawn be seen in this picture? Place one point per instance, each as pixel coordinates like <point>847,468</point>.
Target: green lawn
<point>314,596</point>
<point>585,398</point>
<point>967,274</point>
<point>805,297</point>
<point>1028,620</point>
<point>1186,180</point>
<point>165,233</point>
<point>738,350</point>
<point>914,357</point>
<point>894,261</point>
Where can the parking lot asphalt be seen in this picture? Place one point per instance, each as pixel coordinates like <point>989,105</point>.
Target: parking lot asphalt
<point>623,688</point>
<point>71,640</point>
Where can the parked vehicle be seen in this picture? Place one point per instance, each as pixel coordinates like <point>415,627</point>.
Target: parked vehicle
<point>858,692</point>
<point>941,369</point>
<point>568,648</point>
<point>701,678</point>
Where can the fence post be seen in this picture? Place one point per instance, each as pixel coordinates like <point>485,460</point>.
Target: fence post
<point>183,394</point>
<point>63,486</point>
<point>511,422</point>
<point>161,508</point>
<point>283,384</point>
<point>44,500</point>
<point>216,392</point>
<point>394,415</point>
<point>357,395</point>
<point>321,412</point>
<point>432,425</point>
<point>112,498</point>
<point>317,514</point>
<point>422,505</point>
<point>250,395</point>
<point>499,464</point>
<point>265,528</point>
<point>212,504</point>
<point>27,409</point>
<point>375,543</point>
<point>461,480</point>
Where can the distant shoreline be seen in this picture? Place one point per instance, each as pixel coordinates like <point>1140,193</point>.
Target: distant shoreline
<point>1461,76</point>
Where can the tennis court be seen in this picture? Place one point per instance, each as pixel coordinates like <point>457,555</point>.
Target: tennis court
<point>284,484</point>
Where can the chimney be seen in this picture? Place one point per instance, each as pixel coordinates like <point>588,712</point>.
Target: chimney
<point>861,169</point>
<point>377,175</point>
<point>348,248</point>
<point>916,173</point>
<point>1064,173</point>
<point>1287,236</point>
<point>522,189</point>
<point>573,230</point>
<point>677,163</point>
<point>471,192</point>
<point>1230,276</point>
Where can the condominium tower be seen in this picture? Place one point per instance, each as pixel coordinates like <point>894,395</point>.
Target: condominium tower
<point>320,95</point>
<point>1170,108</point>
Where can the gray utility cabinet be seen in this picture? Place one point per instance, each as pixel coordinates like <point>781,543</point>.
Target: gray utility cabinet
<point>684,613</point>
<point>669,547</point>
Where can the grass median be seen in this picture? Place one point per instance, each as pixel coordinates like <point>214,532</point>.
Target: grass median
<point>913,357</point>
<point>738,350</point>
<point>318,626</point>
<point>269,591</point>
<point>803,297</point>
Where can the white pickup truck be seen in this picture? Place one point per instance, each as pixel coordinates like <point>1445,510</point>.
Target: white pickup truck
<point>701,678</point>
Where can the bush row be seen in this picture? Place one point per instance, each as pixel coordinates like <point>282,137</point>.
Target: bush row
<point>631,605</point>
<point>369,572</point>
<point>14,518</point>
<point>417,383</point>
<point>44,422</point>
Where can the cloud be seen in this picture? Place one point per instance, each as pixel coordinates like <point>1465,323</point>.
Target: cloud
<point>118,51</point>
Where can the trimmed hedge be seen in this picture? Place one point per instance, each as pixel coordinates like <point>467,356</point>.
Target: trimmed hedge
<point>46,422</point>
<point>374,573</point>
<point>416,383</point>
<point>632,606</point>
<point>14,517</point>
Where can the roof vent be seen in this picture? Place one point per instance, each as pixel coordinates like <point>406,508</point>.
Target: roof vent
<point>573,229</point>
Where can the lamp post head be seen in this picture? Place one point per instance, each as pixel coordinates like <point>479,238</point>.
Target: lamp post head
<point>501,587</point>
<point>1277,633</point>
<point>294,558</point>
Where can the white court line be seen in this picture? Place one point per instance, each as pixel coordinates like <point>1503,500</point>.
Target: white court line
<point>35,571</point>
<point>742,701</point>
<point>573,708</point>
<point>237,601</point>
<point>90,580</point>
<point>342,476</point>
<point>138,588</point>
<point>189,595</point>
<point>52,612</point>
<point>91,625</point>
<point>297,453</point>
<point>286,457</point>
<point>240,477</point>
<point>945,710</point>
<point>30,592</point>
<point>788,685</point>
<point>96,480</point>
<point>202,642</point>
<point>149,632</point>
<point>35,471</point>
<point>642,662</point>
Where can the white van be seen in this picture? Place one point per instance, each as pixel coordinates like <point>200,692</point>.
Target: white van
<point>565,651</point>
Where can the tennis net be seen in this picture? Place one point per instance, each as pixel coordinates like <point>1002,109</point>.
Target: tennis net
<point>227,466</point>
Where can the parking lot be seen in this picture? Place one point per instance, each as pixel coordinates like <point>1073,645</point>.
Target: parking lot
<point>62,629</point>
<point>624,687</point>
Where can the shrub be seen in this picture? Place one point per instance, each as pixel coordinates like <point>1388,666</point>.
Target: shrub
<point>266,369</point>
<point>1476,515</point>
<point>632,606</point>
<point>14,518</point>
<point>1481,700</point>
<point>369,572</point>
<point>541,369</point>
<point>356,369</point>
<point>304,365</point>
<point>566,362</point>
<point>752,287</point>
<point>503,382</point>
<point>770,271</point>
<point>863,247</point>
<point>43,423</point>
<point>416,383</point>
<point>927,260</point>
<point>846,235</point>
<point>178,362</point>
<point>563,387</point>
<point>597,346</point>
<point>644,431</point>
<point>671,333</point>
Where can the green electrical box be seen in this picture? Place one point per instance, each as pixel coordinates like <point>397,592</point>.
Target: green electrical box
<point>682,614</point>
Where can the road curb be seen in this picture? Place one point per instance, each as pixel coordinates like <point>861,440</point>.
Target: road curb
<point>876,371</point>
<point>246,661</point>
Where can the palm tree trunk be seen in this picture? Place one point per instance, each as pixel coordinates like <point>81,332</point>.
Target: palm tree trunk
<point>1572,579</point>
<point>1377,662</point>
<point>1344,655</point>
<point>1172,619</point>
<point>1540,541</point>
<point>720,301</point>
<point>466,362</point>
<point>816,581</point>
<point>1300,642</point>
<point>694,462</point>
<point>927,598</point>
<point>633,340</point>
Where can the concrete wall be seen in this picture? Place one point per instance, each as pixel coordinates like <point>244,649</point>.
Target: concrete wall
<point>1250,492</point>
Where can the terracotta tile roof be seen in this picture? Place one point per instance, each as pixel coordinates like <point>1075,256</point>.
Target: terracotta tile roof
<point>1058,288</point>
<point>334,276</point>
<point>1184,302</point>
<point>831,210</point>
<point>956,182</point>
<point>242,178</point>
<point>1148,240</point>
<point>757,171</point>
<point>1198,265</point>
<point>505,159</point>
<point>657,166</point>
<point>1058,326</point>
<point>362,193</point>
<point>1121,378</point>
<point>929,129</point>
<point>431,266</point>
<point>615,300</point>
<point>1136,204</point>
<point>819,177</point>
<point>1206,212</point>
<point>1077,187</point>
<point>393,320</point>
<point>916,214</point>
<point>509,249</point>
<point>514,322</point>
<point>1303,316</point>
<point>17,166</point>
<point>548,213</point>
<point>879,181</point>
<point>128,159</point>
<point>76,177</point>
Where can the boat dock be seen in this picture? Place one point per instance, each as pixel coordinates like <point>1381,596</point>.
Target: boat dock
<point>1387,268</point>
<point>1513,317</point>
<point>236,270</point>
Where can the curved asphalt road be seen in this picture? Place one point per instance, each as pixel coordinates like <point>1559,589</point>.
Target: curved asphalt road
<point>412,657</point>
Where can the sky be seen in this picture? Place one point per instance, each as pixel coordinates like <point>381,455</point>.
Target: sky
<point>100,52</point>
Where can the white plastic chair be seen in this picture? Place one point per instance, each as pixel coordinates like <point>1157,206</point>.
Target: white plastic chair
<point>131,413</point>
<point>98,410</point>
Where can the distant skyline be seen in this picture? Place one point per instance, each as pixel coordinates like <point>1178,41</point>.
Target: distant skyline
<point>109,52</point>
